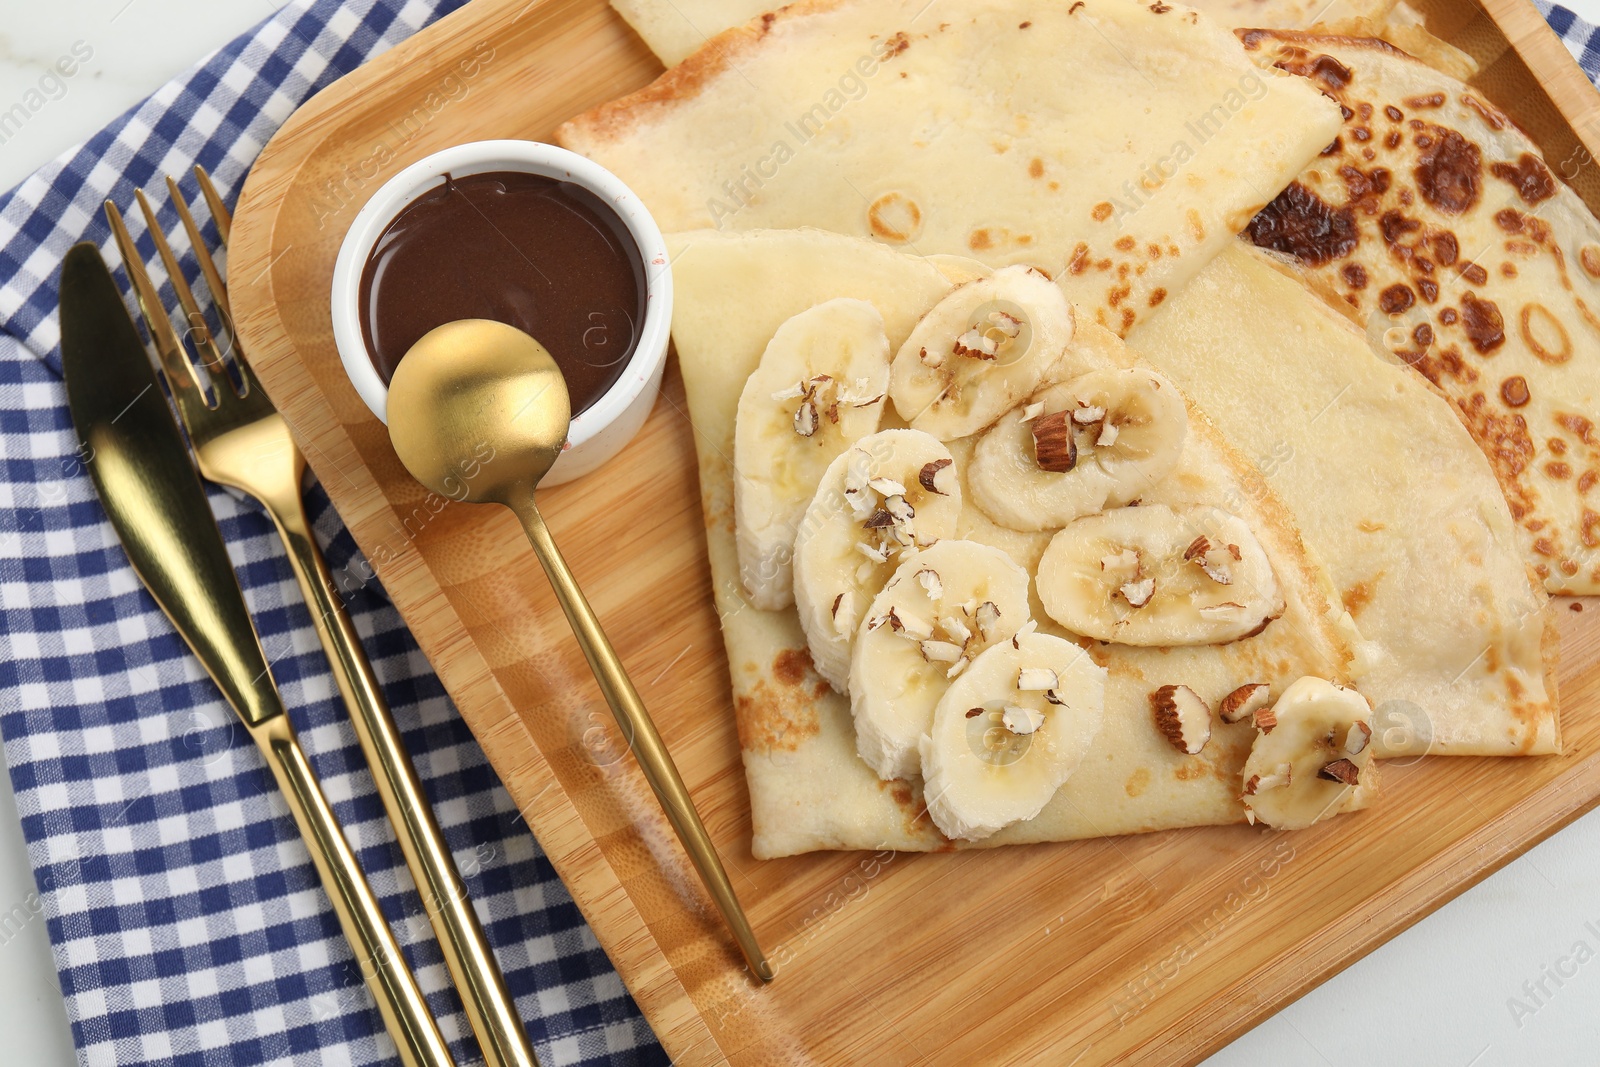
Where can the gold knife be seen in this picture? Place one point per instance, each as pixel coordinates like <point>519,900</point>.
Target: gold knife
<point>152,493</point>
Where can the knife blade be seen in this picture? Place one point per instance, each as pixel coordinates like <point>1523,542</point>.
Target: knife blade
<point>147,481</point>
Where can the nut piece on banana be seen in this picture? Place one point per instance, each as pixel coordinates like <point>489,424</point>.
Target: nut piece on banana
<point>940,610</point>
<point>819,387</point>
<point>1100,440</point>
<point>1308,765</point>
<point>1009,732</point>
<point>981,350</point>
<point>1155,576</point>
<point>892,492</point>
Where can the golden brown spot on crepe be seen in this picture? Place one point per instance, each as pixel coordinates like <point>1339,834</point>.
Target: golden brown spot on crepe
<point>1127,320</point>
<point>1514,391</point>
<point>1491,115</point>
<point>1528,176</point>
<point>1036,167</point>
<point>1118,295</point>
<point>1137,782</point>
<point>1023,25</point>
<point>791,665</point>
<point>1589,528</point>
<point>1544,334</point>
<point>1355,275</point>
<point>1441,365</point>
<point>895,217</point>
<point>775,720</point>
<point>979,240</point>
<point>1508,270</point>
<point>1448,171</point>
<point>896,44</point>
<point>1154,251</point>
<point>1124,244</point>
<point>1587,479</point>
<point>1431,100</point>
<point>1474,273</point>
<point>1360,595</point>
<point>767,20</point>
<point>1189,770</point>
<point>1589,259</point>
<point>1073,10</point>
<point>1396,298</point>
<point>1567,567</point>
<point>1558,470</point>
<point>1301,224</point>
<point>1481,319</point>
<point>1197,228</point>
<point>1156,296</point>
<point>1507,443</point>
<point>1080,259</point>
<point>1577,426</point>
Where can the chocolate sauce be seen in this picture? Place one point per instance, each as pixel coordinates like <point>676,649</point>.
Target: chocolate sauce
<point>543,255</point>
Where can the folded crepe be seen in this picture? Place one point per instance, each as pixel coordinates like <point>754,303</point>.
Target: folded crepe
<point>1118,144</point>
<point>675,28</point>
<point>1389,493</point>
<point>1434,222</point>
<point>809,788</point>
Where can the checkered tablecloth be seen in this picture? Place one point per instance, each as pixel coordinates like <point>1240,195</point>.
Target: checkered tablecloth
<point>187,921</point>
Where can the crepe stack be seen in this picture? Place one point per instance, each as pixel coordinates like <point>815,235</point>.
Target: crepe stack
<point>954,129</point>
<point>1040,506</point>
<point>1435,223</point>
<point>809,788</point>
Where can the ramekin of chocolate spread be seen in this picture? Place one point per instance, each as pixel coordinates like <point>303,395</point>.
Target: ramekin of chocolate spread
<point>527,234</point>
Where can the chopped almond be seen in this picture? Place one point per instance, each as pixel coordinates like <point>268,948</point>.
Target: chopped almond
<point>1182,717</point>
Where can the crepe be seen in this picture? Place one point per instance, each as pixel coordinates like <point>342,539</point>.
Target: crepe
<point>808,788</point>
<point>675,28</point>
<point>1389,493</point>
<point>1119,143</point>
<point>1436,224</point>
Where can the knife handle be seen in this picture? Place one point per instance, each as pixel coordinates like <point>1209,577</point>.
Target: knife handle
<point>490,1010</point>
<point>405,1013</point>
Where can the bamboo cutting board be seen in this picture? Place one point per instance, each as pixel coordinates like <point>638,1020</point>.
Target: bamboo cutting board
<point>1151,949</point>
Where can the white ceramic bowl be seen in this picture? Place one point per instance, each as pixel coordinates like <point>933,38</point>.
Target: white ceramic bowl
<point>599,432</point>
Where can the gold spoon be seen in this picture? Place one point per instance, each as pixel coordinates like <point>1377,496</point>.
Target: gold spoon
<point>472,383</point>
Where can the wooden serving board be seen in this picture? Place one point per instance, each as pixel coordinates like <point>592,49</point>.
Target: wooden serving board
<point>1151,949</point>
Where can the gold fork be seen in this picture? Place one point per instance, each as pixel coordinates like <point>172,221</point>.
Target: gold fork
<point>243,442</point>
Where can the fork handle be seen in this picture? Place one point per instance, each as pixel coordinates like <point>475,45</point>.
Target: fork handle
<point>484,996</point>
<point>405,1013</point>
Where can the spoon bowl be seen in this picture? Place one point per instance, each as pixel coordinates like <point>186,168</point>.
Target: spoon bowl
<point>482,397</point>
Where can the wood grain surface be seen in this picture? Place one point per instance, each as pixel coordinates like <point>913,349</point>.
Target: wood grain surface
<point>1151,949</point>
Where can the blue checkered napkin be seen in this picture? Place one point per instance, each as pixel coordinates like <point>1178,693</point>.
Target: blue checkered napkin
<point>187,920</point>
<point>1581,39</point>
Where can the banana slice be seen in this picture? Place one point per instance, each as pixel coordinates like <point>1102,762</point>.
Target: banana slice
<point>892,491</point>
<point>1097,441</point>
<point>1307,765</point>
<point>1151,575</point>
<point>984,347</point>
<point>1009,732</point>
<point>819,387</point>
<point>943,606</point>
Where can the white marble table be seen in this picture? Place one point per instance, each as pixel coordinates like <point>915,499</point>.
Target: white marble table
<point>1492,978</point>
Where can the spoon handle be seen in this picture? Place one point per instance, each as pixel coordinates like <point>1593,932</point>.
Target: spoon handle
<point>645,742</point>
